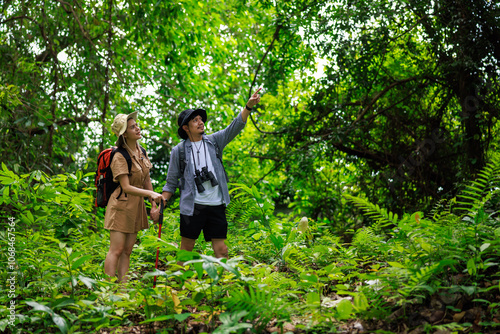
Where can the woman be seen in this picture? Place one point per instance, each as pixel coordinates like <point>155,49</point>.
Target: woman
<point>126,211</point>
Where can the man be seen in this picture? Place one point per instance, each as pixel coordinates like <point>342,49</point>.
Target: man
<point>203,184</point>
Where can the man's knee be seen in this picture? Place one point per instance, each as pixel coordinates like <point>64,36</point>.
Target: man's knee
<point>220,248</point>
<point>187,244</point>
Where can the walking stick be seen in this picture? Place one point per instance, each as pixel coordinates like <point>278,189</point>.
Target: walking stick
<point>160,221</point>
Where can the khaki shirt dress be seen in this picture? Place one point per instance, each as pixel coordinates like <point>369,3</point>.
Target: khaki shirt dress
<point>127,214</point>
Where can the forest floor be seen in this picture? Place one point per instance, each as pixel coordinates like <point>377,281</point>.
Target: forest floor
<point>443,311</point>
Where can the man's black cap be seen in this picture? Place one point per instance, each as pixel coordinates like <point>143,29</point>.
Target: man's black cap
<point>186,116</point>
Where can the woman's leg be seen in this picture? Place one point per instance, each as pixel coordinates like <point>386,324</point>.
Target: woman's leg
<point>124,260</point>
<point>119,244</point>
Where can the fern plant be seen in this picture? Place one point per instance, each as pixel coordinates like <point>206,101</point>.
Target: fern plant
<point>367,240</point>
<point>260,306</point>
<point>251,204</point>
<point>479,191</point>
<point>382,217</point>
<point>477,205</point>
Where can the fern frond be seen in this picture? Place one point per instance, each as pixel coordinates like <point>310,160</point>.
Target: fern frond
<point>260,305</point>
<point>418,279</point>
<point>480,190</point>
<point>381,216</point>
<point>239,210</point>
<point>367,241</point>
<point>295,259</point>
<point>281,282</point>
<point>328,238</point>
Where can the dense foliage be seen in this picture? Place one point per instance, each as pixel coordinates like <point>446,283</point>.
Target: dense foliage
<point>415,271</point>
<point>376,116</point>
<point>408,97</point>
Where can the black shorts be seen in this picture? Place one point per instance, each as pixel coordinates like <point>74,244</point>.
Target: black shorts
<point>211,219</point>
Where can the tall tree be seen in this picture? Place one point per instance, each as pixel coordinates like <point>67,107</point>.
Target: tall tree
<point>410,94</point>
<point>78,63</point>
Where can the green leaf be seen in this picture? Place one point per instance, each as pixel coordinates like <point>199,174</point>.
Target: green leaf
<point>256,193</point>
<point>484,247</point>
<point>471,266</point>
<point>198,296</point>
<point>309,277</point>
<point>181,317</point>
<point>80,261</point>
<point>396,264</point>
<point>89,282</point>
<point>344,309</point>
<point>40,307</point>
<point>63,302</point>
<point>360,302</point>
<point>187,274</point>
<point>157,272</point>
<point>221,262</point>
<point>468,289</point>
<point>257,236</point>
<point>58,320</point>
<point>426,247</point>
<point>198,266</point>
<point>6,195</point>
<point>3,324</point>
<point>313,298</point>
<point>159,319</point>
<point>211,270</point>
<point>184,255</point>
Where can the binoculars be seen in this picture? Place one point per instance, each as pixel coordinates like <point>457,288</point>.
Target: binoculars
<point>204,176</point>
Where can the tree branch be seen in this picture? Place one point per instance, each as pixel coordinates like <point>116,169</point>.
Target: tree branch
<point>275,37</point>
<point>41,130</point>
<point>253,155</point>
<point>380,94</point>
<point>20,17</point>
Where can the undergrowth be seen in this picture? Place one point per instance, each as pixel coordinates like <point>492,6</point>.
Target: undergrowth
<point>288,273</point>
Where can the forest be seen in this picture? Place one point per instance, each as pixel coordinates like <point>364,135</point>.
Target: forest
<point>365,186</point>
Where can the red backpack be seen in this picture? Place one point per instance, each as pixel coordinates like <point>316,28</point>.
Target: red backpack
<point>104,176</point>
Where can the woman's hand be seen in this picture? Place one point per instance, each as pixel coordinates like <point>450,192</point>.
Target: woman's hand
<point>155,197</point>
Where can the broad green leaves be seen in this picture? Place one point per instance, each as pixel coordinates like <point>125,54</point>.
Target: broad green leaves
<point>59,321</point>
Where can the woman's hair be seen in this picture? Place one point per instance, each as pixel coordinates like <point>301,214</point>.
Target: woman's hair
<point>120,142</point>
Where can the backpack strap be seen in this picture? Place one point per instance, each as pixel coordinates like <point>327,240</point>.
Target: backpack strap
<point>126,155</point>
<point>182,157</point>
<point>182,162</point>
<point>218,154</point>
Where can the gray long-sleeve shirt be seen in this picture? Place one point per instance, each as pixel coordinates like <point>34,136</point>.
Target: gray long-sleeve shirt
<point>222,137</point>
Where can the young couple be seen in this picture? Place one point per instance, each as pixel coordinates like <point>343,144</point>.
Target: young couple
<point>203,186</point>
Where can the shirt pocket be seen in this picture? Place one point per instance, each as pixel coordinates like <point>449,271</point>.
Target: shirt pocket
<point>136,168</point>
<point>148,164</point>
<point>136,177</point>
